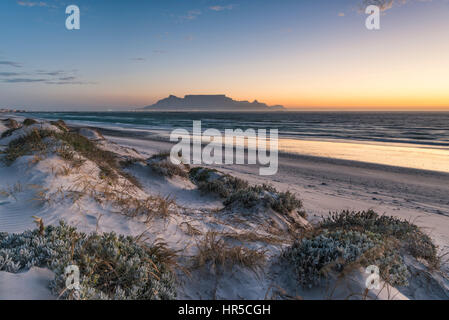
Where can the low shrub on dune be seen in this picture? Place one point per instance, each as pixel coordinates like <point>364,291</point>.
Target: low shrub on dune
<point>70,146</point>
<point>111,266</point>
<point>238,192</point>
<point>348,240</point>
<point>29,122</point>
<point>162,165</point>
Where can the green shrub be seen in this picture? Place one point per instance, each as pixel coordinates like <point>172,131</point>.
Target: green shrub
<point>8,132</point>
<point>29,122</point>
<point>111,266</point>
<point>61,125</point>
<point>363,237</point>
<point>411,237</point>
<point>162,165</point>
<point>26,145</point>
<point>313,258</point>
<point>236,191</point>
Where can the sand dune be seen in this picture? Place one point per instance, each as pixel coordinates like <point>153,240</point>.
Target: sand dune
<point>323,185</point>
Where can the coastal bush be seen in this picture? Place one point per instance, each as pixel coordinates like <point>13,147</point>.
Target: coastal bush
<point>111,266</point>
<point>334,251</point>
<point>161,164</point>
<point>310,256</point>
<point>7,133</point>
<point>236,191</point>
<point>364,238</point>
<point>412,239</point>
<point>12,126</point>
<point>29,122</point>
<point>61,125</point>
<point>33,142</point>
<point>11,123</point>
<point>67,145</point>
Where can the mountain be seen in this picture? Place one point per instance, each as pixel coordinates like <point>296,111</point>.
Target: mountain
<point>217,102</point>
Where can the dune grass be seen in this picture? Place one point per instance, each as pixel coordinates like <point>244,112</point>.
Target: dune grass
<point>161,164</point>
<point>219,256</point>
<point>71,147</point>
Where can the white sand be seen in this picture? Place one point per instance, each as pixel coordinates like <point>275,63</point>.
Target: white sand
<point>324,185</point>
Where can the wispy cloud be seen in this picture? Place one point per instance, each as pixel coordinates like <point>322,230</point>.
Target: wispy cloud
<point>51,73</point>
<point>58,77</point>
<point>385,5</point>
<point>69,82</point>
<point>191,15</point>
<point>221,8</point>
<point>138,59</point>
<point>10,74</point>
<point>67,78</point>
<point>24,3</point>
<point>382,4</point>
<point>11,63</point>
<point>23,80</point>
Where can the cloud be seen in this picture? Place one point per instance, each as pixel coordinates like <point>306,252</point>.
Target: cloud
<point>31,4</point>
<point>382,4</point>
<point>67,78</point>
<point>69,82</point>
<point>385,5</point>
<point>221,8</point>
<point>11,63</point>
<point>51,73</point>
<point>138,59</point>
<point>58,77</point>
<point>191,15</point>
<point>159,51</point>
<point>23,80</point>
<point>341,14</point>
<point>10,74</point>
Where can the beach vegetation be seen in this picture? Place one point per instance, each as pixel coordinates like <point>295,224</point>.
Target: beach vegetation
<point>29,122</point>
<point>111,266</point>
<point>348,240</point>
<point>71,147</point>
<point>61,125</point>
<point>238,192</point>
<point>216,254</point>
<point>162,165</point>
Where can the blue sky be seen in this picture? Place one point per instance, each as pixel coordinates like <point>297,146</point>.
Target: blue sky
<point>131,53</point>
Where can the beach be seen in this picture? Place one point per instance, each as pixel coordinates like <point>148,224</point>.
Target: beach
<point>328,185</point>
<point>324,185</point>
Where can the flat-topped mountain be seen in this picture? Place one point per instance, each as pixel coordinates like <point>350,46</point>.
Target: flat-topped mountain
<point>217,102</point>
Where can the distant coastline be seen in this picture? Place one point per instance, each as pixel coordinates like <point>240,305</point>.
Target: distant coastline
<point>219,102</point>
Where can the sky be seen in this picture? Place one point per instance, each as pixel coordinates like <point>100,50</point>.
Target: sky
<point>306,54</point>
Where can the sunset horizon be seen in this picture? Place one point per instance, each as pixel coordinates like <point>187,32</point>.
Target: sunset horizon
<point>307,55</point>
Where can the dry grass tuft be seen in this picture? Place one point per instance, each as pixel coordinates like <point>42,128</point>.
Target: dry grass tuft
<point>249,236</point>
<point>190,230</point>
<point>162,165</point>
<point>214,252</point>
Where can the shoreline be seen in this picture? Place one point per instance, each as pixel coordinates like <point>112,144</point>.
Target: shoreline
<point>328,185</point>
<point>321,186</point>
<point>282,154</point>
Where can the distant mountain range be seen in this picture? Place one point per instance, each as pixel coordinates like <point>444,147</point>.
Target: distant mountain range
<point>217,102</point>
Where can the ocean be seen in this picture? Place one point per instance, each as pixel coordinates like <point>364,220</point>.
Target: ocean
<point>410,139</point>
<point>415,128</point>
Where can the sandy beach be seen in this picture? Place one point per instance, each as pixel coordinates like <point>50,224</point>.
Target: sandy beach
<point>327,185</point>
<point>323,185</point>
